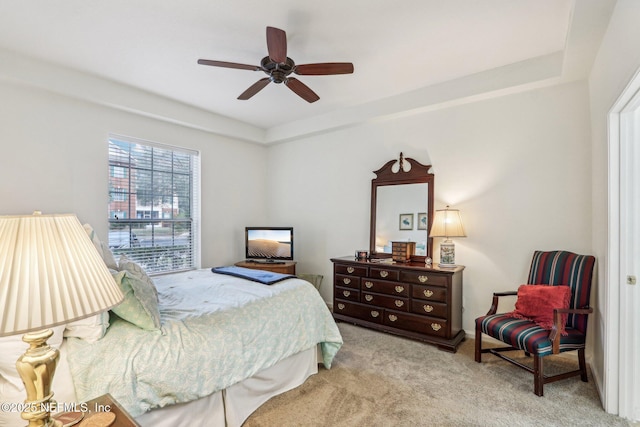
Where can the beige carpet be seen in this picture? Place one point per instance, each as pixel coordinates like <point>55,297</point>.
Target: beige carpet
<point>379,379</point>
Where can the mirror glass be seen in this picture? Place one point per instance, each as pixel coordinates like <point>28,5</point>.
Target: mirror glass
<point>401,215</point>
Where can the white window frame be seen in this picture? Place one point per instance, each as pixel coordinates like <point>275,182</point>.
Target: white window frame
<point>132,247</point>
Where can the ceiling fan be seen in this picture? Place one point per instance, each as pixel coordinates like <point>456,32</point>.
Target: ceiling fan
<point>278,66</point>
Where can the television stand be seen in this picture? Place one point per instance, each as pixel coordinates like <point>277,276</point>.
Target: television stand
<point>266,261</point>
<point>283,267</point>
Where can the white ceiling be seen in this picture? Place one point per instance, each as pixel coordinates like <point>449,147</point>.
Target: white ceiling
<point>402,51</point>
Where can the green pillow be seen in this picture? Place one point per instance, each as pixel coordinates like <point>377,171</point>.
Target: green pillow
<point>140,305</point>
<point>134,269</point>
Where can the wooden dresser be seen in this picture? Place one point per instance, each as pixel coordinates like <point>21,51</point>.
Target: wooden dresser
<point>411,300</point>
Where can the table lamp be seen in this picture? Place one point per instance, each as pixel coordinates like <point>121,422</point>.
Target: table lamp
<point>447,223</point>
<point>50,274</point>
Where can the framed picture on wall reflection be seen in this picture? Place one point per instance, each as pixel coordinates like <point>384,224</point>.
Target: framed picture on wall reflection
<point>406,221</point>
<point>422,221</point>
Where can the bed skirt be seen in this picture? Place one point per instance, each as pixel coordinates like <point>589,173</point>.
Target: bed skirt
<point>232,406</point>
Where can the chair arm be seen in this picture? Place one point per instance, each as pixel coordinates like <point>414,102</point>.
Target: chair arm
<point>496,297</point>
<point>554,335</point>
<point>505,294</point>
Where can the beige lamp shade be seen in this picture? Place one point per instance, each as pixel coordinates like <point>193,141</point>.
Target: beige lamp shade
<point>447,223</point>
<point>50,273</point>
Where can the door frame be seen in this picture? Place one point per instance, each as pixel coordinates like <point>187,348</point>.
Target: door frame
<point>620,343</point>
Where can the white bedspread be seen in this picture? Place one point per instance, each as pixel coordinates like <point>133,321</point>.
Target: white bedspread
<point>216,331</point>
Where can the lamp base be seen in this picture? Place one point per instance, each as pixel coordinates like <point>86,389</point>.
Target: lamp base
<point>447,254</point>
<point>36,368</point>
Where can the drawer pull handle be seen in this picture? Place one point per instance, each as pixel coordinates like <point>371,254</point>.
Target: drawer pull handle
<point>393,318</point>
<point>375,313</point>
<point>399,303</point>
<point>350,269</point>
<point>346,281</point>
<point>427,293</point>
<point>399,289</point>
<point>368,285</point>
<point>384,273</point>
<point>368,297</point>
<point>423,279</point>
<point>427,308</point>
<point>340,306</point>
<point>346,293</point>
<point>436,326</point>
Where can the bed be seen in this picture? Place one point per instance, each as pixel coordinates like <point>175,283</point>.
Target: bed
<point>222,347</point>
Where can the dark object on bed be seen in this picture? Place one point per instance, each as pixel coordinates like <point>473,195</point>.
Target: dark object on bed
<point>260,276</point>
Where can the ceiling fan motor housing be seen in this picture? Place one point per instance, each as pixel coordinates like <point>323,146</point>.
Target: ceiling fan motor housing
<point>277,72</point>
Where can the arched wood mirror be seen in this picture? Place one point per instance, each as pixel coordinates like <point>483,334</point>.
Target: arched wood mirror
<point>402,208</point>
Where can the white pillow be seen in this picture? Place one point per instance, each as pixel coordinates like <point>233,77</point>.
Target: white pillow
<point>12,347</point>
<point>90,329</point>
<point>103,248</point>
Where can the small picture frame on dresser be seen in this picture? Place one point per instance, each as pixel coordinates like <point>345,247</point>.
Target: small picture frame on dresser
<point>406,221</point>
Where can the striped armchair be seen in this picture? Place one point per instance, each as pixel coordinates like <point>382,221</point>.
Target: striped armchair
<point>547,268</point>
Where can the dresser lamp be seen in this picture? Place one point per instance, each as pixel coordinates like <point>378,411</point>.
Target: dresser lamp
<point>50,274</point>
<point>447,223</point>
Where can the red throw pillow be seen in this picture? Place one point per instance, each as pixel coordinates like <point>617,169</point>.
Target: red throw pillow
<point>536,303</point>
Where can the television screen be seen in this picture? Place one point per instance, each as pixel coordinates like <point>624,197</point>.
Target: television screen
<point>269,243</point>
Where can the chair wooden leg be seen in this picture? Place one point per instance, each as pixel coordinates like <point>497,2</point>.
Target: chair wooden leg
<point>583,365</point>
<point>478,345</point>
<point>538,375</point>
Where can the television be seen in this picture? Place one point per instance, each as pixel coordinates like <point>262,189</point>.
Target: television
<point>268,244</point>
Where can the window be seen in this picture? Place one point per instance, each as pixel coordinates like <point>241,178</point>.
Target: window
<point>153,204</point>
<point>118,172</point>
<point>119,195</point>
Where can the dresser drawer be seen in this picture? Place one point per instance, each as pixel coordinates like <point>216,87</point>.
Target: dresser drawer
<point>413,322</point>
<point>429,308</point>
<point>430,293</point>
<point>383,273</point>
<point>351,270</point>
<point>361,311</point>
<point>347,281</point>
<point>396,303</point>
<point>383,287</point>
<point>424,278</point>
<point>347,294</point>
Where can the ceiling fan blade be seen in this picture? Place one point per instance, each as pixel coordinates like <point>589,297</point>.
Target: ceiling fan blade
<point>301,89</point>
<point>228,65</point>
<point>277,44</point>
<point>254,88</point>
<point>324,68</point>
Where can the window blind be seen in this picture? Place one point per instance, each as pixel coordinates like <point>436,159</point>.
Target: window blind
<point>153,204</point>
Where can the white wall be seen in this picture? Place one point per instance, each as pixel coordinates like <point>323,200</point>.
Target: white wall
<point>617,61</point>
<point>518,168</point>
<point>54,159</point>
